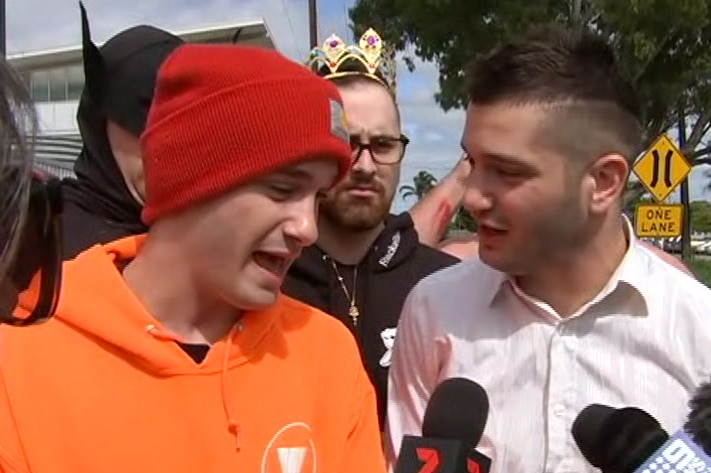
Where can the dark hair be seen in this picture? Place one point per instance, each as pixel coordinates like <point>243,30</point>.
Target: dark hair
<point>18,124</point>
<point>594,110</point>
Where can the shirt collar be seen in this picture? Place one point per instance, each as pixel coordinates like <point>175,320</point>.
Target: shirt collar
<point>633,269</point>
<point>631,272</point>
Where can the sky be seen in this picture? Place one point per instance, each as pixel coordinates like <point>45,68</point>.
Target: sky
<point>434,135</point>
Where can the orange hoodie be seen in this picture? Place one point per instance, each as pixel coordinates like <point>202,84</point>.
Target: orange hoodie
<point>102,388</point>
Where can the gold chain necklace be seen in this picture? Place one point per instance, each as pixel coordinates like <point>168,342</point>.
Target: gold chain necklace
<point>353,311</point>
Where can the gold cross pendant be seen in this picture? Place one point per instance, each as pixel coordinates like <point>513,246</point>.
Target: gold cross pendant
<point>354,313</point>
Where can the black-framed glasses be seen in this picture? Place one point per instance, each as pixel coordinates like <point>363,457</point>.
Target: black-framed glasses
<point>386,150</point>
<point>35,272</point>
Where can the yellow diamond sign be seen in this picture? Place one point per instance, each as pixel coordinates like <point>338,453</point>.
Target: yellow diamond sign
<point>662,168</point>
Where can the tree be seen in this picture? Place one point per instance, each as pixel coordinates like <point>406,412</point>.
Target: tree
<point>635,194</point>
<point>421,185</point>
<point>700,214</point>
<point>463,220</point>
<point>664,45</point>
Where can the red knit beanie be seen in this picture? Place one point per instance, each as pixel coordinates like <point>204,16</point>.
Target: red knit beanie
<point>223,115</point>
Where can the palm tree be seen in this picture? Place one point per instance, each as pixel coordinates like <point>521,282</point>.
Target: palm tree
<point>463,220</point>
<point>422,183</point>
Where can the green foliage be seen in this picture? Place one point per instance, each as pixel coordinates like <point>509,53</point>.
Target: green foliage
<point>635,194</point>
<point>700,214</point>
<point>462,220</point>
<point>421,185</point>
<point>665,45</point>
<point>702,270</point>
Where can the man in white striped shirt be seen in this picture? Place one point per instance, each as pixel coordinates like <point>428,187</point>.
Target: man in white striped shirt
<point>563,307</point>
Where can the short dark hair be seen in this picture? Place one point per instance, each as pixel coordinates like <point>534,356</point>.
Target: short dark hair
<point>574,72</point>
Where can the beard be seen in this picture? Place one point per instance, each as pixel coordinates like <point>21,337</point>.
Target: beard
<point>354,213</point>
<point>553,234</point>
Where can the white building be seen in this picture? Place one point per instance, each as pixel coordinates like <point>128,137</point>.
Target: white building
<point>56,79</point>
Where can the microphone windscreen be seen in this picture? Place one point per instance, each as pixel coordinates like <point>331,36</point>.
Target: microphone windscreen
<point>698,425</point>
<point>457,410</point>
<point>617,440</point>
<point>586,431</point>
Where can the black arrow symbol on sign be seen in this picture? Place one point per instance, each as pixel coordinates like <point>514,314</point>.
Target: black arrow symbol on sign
<point>667,169</point>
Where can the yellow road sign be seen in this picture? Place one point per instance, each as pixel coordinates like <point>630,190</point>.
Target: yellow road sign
<point>659,220</point>
<point>662,168</point>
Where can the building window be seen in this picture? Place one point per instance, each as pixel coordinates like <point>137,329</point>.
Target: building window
<point>26,79</point>
<point>58,85</point>
<point>40,86</point>
<point>75,82</point>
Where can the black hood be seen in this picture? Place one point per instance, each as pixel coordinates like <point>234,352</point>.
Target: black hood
<point>394,245</point>
<point>120,79</point>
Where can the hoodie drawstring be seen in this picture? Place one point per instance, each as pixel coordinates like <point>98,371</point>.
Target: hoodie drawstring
<point>162,334</point>
<point>232,426</point>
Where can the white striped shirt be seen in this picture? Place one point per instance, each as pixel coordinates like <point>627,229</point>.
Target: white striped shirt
<point>644,341</point>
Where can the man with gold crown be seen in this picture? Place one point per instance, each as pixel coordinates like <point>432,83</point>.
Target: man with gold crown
<point>366,260</point>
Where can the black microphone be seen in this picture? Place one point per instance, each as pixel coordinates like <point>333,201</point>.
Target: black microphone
<point>698,424</point>
<point>617,440</point>
<point>454,422</point>
<point>630,440</point>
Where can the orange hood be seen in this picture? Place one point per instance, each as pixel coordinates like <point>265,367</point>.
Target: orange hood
<point>121,322</point>
<point>104,385</point>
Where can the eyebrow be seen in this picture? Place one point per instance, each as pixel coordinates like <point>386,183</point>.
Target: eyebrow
<point>378,135</point>
<point>377,131</point>
<point>506,159</point>
<point>500,157</point>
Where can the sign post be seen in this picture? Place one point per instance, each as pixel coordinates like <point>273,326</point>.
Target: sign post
<point>3,29</point>
<point>661,169</point>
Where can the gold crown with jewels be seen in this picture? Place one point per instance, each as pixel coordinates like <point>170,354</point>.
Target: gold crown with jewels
<point>370,58</point>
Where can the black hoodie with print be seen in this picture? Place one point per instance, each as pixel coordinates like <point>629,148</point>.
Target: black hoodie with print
<point>119,81</point>
<point>394,264</point>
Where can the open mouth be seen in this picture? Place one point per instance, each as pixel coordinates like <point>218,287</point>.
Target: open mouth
<point>275,264</point>
<point>488,231</point>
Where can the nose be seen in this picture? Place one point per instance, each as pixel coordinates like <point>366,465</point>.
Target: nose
<point>301,225</point>
<point>477,197</point>
<point>364,163</point>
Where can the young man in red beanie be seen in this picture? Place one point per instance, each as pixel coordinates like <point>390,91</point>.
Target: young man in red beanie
<point>175,351</point>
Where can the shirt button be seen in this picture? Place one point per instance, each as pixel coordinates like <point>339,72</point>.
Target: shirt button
<point>559,410</point>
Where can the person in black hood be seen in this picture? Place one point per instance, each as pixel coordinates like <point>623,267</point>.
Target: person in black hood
<point>365,261</point>
<point>104,202</point>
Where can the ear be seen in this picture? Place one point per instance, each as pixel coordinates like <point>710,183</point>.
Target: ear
<point>608,175</point>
